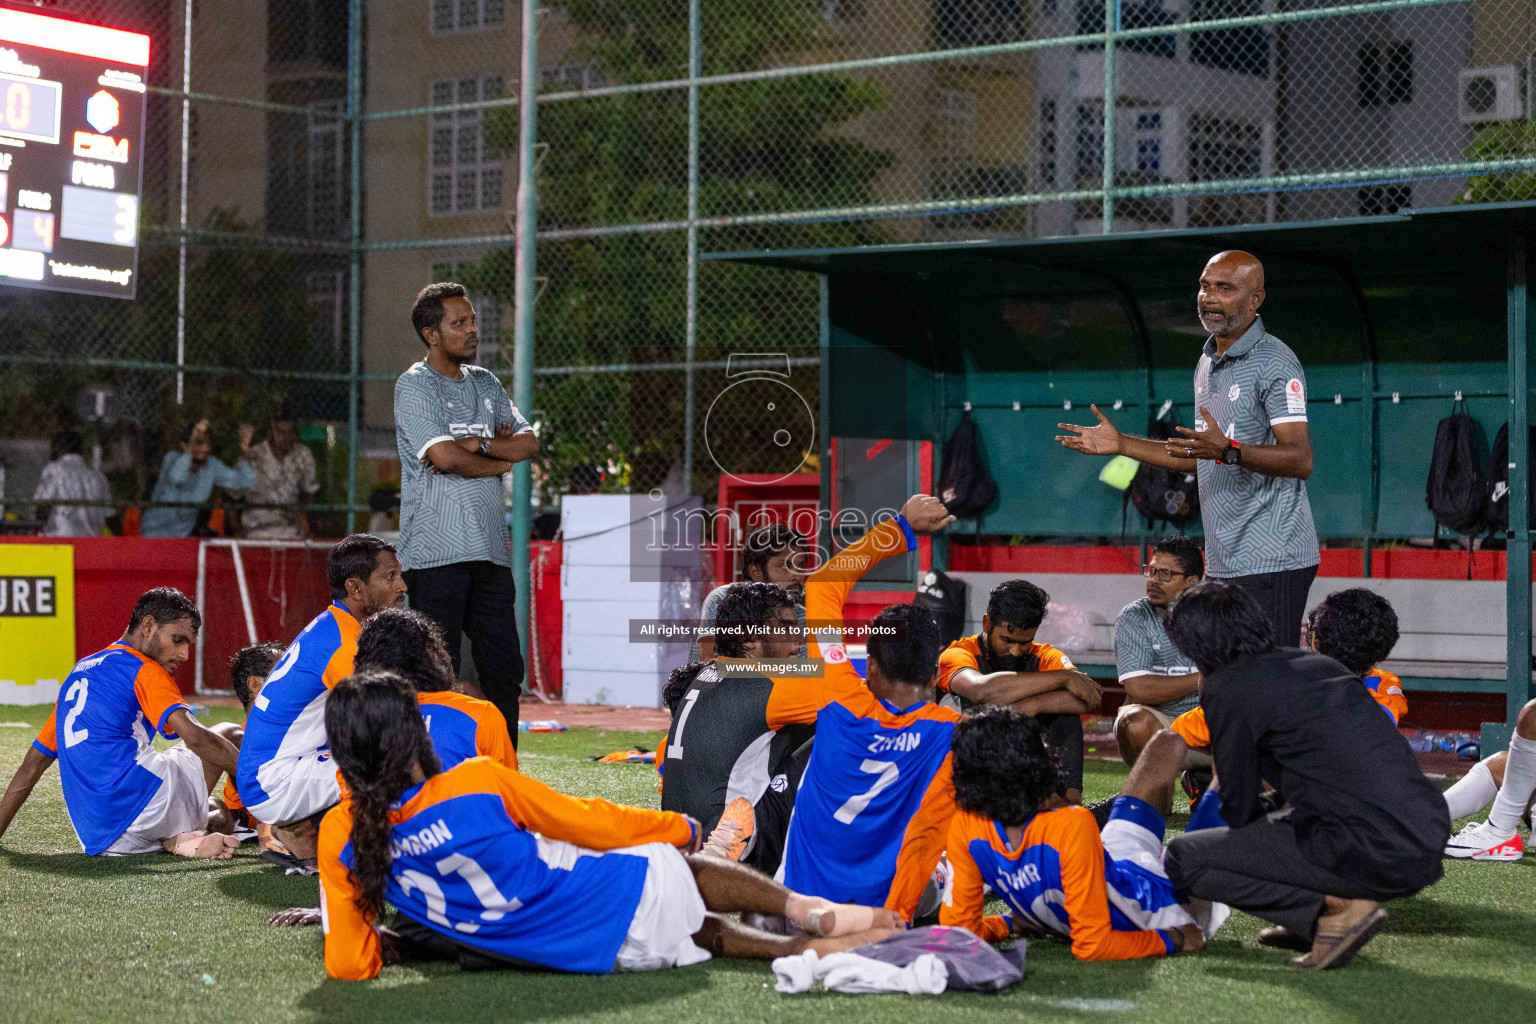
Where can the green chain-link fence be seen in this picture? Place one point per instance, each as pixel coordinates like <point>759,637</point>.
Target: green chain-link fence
<point>307,169</point>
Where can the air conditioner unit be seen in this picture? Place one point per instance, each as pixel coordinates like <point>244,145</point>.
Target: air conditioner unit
<point>1490,94</point>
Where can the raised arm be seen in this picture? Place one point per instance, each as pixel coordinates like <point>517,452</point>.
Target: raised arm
<point>1104,438</point>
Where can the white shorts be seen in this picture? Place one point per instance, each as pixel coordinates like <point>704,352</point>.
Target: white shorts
<point>296,787</point>
<point>179,805</point>
<point>670,914</point>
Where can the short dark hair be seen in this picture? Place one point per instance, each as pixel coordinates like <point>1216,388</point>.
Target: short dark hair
<point>427,310</point>
<point>1003,769</point>
<point>1017,603</point>
<point>905,641</point>
<point>67,442</point>
<point>407,643</point>
<point>678,683</point>
<point>165,605</point>
<point>1355,627</point>
<point>764,543</point>
<point>255,660</point>
<point>354,558</point>
<point>743,606</point>
<point>1215,622</point>
<point>1183,550</point>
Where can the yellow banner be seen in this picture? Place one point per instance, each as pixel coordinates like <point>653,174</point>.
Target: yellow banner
<point>37,621</point>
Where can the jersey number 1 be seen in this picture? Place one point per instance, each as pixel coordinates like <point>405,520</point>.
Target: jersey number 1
<point>887,770</point>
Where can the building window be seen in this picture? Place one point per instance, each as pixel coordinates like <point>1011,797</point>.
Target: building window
<point>955,141</point>
<point>1047,142</point>
<point>1133,14</point>
<point>487,310</point>
<point>466,172</point>
<point>1384,200</point>
<point>327,291</point>
<point>1384,74</point>
<point>1243,50</point>
<point>307,190</point>
<point>450,16</point>
<point>568,77</point>
<point>978,22</point>
<point>1089,164</point>
<point>308,32</point>
<point>1224,149</point>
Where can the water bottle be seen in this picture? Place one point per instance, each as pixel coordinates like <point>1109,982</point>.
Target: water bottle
<point>541,725</point>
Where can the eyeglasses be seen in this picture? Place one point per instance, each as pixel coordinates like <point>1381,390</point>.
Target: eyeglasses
<point>1161,575</point>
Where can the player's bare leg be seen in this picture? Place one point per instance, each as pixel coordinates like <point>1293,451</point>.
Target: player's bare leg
<point>734,940</point>
<point>301,838</point>
<point>734,888</point>
<point>202,845</point>
<point>1133,732</point>
<point>1156,769</point>
<point>220,818</point>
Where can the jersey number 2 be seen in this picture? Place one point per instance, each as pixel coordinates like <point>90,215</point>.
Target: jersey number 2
<point>72,735</point>
<point>887,770</point>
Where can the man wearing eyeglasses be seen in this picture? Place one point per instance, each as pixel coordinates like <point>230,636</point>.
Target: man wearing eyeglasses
<point>1250,448</point>
<point>1160,682</point>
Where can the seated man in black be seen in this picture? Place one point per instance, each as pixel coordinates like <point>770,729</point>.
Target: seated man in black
<point>1359,823</point>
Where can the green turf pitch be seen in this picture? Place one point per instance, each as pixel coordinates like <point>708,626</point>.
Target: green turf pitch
<point>157,939</point>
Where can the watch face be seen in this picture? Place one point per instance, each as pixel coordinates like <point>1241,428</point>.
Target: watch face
<point>1229,457</point>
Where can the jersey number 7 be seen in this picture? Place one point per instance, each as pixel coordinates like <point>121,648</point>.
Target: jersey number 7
<point>854,806</point>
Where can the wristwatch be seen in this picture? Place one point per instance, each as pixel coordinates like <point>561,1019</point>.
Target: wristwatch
<point>1232,455</point>
<point>485,446</point>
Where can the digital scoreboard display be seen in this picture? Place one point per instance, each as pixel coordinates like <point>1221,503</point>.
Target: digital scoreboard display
<point>71,154</point>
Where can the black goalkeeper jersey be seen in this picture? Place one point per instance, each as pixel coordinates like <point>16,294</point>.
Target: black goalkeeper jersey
<point>720,746</point>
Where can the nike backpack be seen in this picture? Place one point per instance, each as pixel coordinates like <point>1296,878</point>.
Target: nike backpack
<point>944,597</point>
<point>965,486</point>
<point>1169,496</point>
<point>1498,483</point>
<point>1457,491</point>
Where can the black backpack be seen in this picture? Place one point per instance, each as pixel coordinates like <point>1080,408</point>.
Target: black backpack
<point>1163,495</point>
<point>1498,483</point>
<point>1457,491</point>
<point>965,486</point>
<point>944,597</point>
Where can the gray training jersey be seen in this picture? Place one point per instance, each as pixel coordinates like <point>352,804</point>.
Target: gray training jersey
<point>1253,523</point>
<point>446,518</point>
<point>1142,648</point>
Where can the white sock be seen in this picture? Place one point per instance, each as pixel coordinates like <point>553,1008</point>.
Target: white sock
<point>1471,793</point>
<point>1519,782</point>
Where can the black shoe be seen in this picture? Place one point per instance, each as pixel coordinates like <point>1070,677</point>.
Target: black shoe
<point>1101,811</point>
<point>1195,782</point>
<point>290,864</point>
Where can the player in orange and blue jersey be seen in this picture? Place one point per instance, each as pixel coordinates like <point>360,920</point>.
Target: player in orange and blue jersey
<point>874,803</point>
<point>285,773</point>
<point>1053,869</point>
<point>411,645</point>
<point>499,865</point>
<point>123,796</point>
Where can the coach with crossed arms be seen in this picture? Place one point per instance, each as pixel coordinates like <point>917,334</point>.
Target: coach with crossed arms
<point>1249,448</point>
<point>458,433</point>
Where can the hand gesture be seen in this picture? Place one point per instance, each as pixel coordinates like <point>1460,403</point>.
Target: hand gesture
<point>926,514</point>
<point>1209,443</point>
<point>245,432</point>
<point>1103,439</point>
<point>199,433</point>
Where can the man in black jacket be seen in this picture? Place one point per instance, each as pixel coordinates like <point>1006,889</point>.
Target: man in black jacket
<point>1360,822</point>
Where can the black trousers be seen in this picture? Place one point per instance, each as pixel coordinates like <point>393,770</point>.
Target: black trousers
<point>1284,597</point>
<point>1260,869</point>
<point>478,600</point>
<point>1064,735</point>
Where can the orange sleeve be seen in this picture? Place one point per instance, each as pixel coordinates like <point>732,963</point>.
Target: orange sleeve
<point>232,796</point>
<point>158,696</point>
<point>1191,725</point>
<point>1086,894</point>
<point>492,738</point>
<point>1389,694</point>
<point>1053,660</point>
<point>594,824</point>
<point>340,665</point>
<point>923,842</point>
<point>965,895</point>
<point>956,656</point>
<point>351,944</point>
<point>797,700</point>
<point>47,740</point>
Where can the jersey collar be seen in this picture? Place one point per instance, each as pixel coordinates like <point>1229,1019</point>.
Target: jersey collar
<point>1242,346</point>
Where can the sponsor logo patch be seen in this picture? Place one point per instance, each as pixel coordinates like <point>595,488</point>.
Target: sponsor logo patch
<point>1295,397</point>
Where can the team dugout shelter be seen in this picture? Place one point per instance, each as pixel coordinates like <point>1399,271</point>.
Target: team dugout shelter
<point>1395,318</point>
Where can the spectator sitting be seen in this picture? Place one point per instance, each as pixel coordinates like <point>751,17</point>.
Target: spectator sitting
<point>284,470</point>
<point>772,554</point>
<point>69,478</point>
<point>189,477</point>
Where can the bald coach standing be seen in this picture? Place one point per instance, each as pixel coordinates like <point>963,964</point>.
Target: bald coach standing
<point>1250,447</point>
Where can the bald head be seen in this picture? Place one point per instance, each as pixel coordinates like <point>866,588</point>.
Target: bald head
<point>1231,292</point>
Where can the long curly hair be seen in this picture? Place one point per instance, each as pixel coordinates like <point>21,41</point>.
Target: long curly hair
<point>1355,627</point>
<point>377,736</point>
<point>408,643</point>
<point>1002,768</point>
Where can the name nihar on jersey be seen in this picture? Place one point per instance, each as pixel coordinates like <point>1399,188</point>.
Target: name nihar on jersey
<point>1021,878</point>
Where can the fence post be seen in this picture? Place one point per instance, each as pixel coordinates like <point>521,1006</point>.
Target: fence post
<point>186,162</point>
<point>355,250</point>
<point>523,299</point>
<point>1517,575</point>
<point>690,330</point>
<point>1111,25</point>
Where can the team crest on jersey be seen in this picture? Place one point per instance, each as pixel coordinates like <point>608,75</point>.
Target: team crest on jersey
<point>1233,392</point>
<point>779,783</point>
<point>835,654</point>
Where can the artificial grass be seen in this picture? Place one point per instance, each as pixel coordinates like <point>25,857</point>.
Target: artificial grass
<point>159,939</point>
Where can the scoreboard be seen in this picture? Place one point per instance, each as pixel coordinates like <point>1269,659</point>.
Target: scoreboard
<point>71,154</point>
